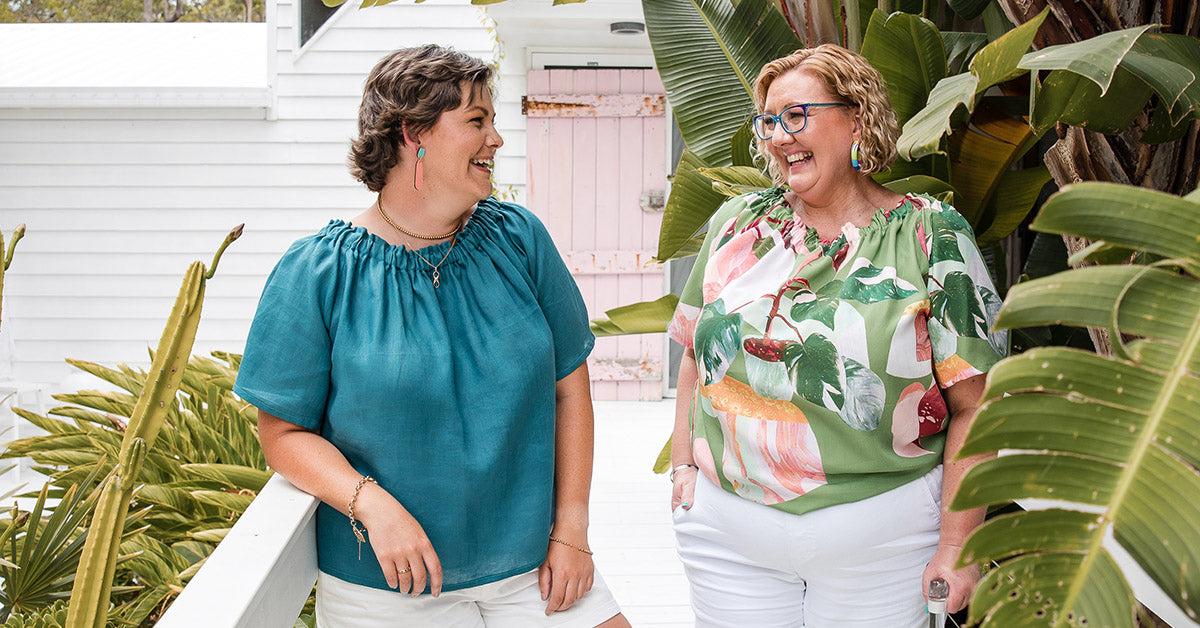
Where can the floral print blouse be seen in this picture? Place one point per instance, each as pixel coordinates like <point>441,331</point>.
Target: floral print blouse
<point>822,364</point>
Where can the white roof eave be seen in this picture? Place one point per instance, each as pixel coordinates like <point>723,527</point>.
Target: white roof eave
<point>133,97</point>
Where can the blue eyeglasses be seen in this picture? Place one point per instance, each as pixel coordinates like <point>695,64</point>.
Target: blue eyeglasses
<point>793,119</point>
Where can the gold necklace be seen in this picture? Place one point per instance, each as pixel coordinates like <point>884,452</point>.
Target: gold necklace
<point>453,240</point>
<point>379,206</point>
<point>453,235</point>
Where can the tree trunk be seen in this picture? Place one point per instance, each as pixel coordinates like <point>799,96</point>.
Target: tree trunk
<point>147,10</point>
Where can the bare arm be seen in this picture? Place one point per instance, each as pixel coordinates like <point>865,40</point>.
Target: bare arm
<point>963,401</point>
<point>684,486</point>
<point>568,572</point>
<point>316,467</point>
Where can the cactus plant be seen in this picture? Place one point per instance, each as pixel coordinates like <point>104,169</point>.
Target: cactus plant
<point>7,255</point>
<point>90,595</point>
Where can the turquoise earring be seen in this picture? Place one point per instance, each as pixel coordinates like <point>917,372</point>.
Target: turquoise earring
<point>419,175</point>
<point>854,156</point>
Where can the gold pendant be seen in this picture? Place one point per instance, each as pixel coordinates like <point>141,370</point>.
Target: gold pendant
<point>435,278</point>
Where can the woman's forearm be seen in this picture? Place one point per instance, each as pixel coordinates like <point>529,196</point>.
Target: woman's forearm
<point>308,461</point>
<point>964,404</point>
<point>681,435</point>
<point>573,443</point>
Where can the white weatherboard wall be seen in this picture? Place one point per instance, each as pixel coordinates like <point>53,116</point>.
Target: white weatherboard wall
<point>123,185</point>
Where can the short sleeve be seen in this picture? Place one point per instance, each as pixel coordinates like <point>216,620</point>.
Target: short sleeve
<point>682,327</point>
<point>559,297</point>
<point>963,304</point>
<point>286,366</point>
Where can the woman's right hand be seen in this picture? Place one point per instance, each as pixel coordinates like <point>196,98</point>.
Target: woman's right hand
<point>683,490</point>
<point>405,554</point>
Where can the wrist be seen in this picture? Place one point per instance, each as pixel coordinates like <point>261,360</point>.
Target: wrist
<point>684,467</point>
<point>571,522</point>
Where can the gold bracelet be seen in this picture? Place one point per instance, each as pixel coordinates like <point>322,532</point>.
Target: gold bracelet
<point>574,547</point>
<point>358,532</point>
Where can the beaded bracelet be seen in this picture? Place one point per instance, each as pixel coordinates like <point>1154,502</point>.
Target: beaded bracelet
<point>574,547</point>
<point>354,527</point>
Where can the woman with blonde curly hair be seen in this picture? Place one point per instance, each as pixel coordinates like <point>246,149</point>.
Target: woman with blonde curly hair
<point>838,335</point>
<point>421,370</point>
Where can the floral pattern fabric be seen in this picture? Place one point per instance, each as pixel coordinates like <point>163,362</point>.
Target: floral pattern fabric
<point>822,364</point>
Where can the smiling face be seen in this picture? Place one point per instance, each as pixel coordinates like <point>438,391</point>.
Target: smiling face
<point>815,161</point>
<point>461,147</point>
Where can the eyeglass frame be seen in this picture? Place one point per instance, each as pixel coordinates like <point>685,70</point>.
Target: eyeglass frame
<point>778,118</point>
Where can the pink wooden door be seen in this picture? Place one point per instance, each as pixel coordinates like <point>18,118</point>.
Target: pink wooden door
<point>597,170</point>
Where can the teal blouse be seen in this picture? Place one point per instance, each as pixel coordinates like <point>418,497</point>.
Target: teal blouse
<point>445,396</point>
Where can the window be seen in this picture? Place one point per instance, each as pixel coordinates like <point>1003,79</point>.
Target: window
<point>313,13</point>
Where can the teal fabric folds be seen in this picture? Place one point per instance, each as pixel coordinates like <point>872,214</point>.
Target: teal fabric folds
<point>445,396</point>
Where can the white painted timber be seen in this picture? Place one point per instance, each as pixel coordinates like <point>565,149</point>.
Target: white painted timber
<point>129,150</point>
<point>261,573</point>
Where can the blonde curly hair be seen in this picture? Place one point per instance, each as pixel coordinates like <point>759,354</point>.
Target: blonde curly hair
<point>409,87</point>
<point>850,78</point>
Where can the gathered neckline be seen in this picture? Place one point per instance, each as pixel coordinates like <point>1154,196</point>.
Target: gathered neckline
<point>878,220</point>
<point>364,243</point>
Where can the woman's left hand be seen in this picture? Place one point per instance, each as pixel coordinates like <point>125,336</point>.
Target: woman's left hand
<point>566,575</point>
<point>962,581</point>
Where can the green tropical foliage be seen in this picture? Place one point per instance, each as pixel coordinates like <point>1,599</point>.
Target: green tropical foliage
<point>205,468</point>
<point>1115,434</point>
<point>91,592</point>
<point>52,616</point>
<point>40,549</point>
<point>33,11</point>
<point>173,447</point>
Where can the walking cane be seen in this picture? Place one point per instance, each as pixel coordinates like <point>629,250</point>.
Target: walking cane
<point>938,592</point>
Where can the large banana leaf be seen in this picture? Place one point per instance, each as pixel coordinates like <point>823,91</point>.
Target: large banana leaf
<point>980,155</point>
<point>1012,201</point>
<point>909,54</point>
<point>1073,99</point>
<point>691,203</point>
<point>1117,435</point>
<point>638,318</point>
<point>995,63</point>
<point>708,53</point>
<point>1182,56</point>
<point>1096,58</point>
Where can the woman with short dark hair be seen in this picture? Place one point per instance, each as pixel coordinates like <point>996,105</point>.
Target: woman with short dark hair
<point>422,370</point>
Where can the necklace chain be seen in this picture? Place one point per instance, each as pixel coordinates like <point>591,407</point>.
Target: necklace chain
<point>388,220</point>
<point>453,235</point>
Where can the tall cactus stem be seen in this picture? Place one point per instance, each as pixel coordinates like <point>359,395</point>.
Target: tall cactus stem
<point>234,234</point>
<point>7,255</point>
<point>91,592</point>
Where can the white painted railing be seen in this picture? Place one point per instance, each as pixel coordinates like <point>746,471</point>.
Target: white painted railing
<point>261,573</point>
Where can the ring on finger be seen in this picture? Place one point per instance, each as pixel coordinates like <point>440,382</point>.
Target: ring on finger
<point>405,570</point>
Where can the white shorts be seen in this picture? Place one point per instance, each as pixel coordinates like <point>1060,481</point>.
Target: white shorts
<point>856,565</point>
<point>515,602</point>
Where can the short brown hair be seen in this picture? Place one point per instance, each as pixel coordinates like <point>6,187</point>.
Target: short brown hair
<point>849,77</point>
<point>408,88</point>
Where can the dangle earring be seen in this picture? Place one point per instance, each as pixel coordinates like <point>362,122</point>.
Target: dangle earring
<point>854,156</point>
<point>419,174</point>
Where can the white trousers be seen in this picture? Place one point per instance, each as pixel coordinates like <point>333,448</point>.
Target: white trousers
<point>855,565</point>
<point>514,602</point>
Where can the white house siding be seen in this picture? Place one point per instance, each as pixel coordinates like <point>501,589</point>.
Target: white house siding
<point>119,200</point>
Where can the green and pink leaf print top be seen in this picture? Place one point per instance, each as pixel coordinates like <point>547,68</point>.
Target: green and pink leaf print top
<point>822,364</point>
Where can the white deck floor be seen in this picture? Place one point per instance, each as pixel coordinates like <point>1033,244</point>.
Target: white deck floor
<point>630,514</point>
